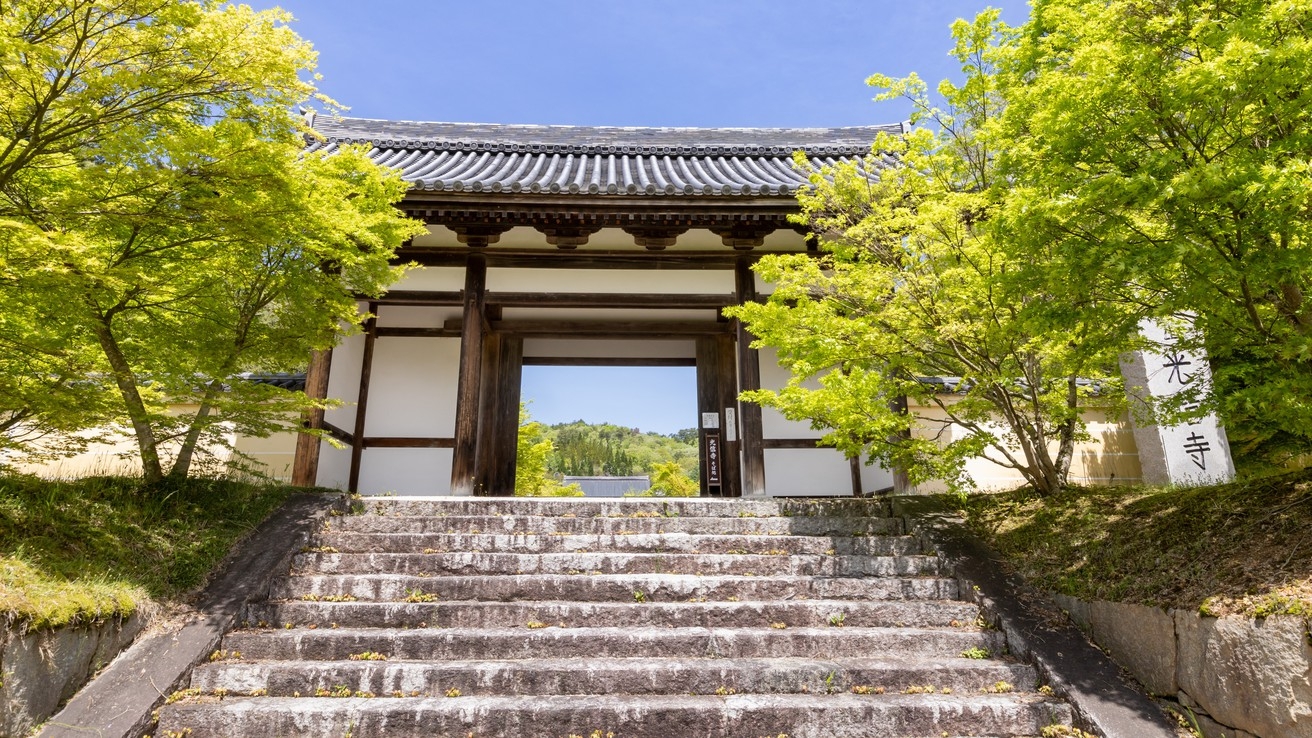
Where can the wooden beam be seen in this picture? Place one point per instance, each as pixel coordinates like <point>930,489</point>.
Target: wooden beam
<point>586,259</point>
<point>651,301</point>
<point>362,399</point>
<point>791,443</point>
<point>305,464</point>
<point>339,434</point>
<point>749,378</point>
<point>467,390</point>
<point>609,361</point>
<point>611,329</point>
<point>419,333</point>
<point>406,442</point>
<point>421,297</point>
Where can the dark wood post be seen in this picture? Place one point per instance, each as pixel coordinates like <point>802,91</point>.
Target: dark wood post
<point>749,378</point>
<point>505,424</point>
<point>728,393</point>
<point>305,464</point>
<point>362,398</point>
<point>472,330</point>
<point>716,390</point>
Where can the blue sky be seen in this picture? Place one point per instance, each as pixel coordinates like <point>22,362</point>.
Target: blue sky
<point>633,63</point>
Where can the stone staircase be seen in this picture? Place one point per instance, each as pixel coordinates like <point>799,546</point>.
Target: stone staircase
<point>640,617</point>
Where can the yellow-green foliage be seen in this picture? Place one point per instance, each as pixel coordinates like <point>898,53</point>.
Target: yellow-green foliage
<point>98,548</point>
<point>531,453</point>
<point>668,480</point>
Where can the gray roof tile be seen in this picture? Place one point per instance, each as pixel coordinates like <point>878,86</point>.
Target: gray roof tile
<point>596,160</point>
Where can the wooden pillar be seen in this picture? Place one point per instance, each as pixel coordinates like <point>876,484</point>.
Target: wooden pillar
<point>362,398</point>
<point>749,378</point>
<point>305,464</point>
<point>716,390</point>
<point>485,447</point>
<point>472,330</point>
<point>727,377</point>
<point>505,423</point>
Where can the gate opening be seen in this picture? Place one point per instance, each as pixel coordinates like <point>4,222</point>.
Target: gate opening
<point>614,430</point>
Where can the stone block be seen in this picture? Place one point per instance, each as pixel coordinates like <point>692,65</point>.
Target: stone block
<point>42,669</point>
<point>1139,638</point>
<point>1254,675</point>
<point>1075,607</point>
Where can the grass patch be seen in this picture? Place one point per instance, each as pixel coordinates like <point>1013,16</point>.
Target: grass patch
<point>96,548</point>
<point>1238,548</point>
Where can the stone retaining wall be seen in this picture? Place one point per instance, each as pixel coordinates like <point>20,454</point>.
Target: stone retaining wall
<point>41,669</point>
<point>1241,677</point>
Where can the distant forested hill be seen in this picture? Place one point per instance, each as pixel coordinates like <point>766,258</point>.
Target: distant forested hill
<point>590,449</point>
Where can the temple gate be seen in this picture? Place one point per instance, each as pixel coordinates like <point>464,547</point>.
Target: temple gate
<point>571,246</point>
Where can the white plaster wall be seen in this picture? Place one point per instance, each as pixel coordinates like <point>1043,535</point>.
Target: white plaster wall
<point>440,279</point>
<point>611,281</point>
<point>406,471</point>
<point>807,471</point>
<point>609,348</point>
<point>412,389</point>
<point>773,423</point>
<point>344,381</point>
<point>875,477</point>
<point>334,466</point>
<point>415,316</point>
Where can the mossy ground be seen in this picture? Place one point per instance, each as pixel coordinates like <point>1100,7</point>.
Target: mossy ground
<point>1244,547</point>
<point>101,547</point>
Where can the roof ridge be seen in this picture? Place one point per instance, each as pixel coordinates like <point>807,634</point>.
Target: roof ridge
<point>622,140</point>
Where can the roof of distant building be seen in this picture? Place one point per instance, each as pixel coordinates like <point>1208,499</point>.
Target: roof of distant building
<point>610,486</point>
<point>600,160</point>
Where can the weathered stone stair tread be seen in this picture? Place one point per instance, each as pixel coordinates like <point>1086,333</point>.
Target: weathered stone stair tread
<point>470,563</point>
<point>856,613</point>
<point>613,587</point>
<point>334,644</point>
<point>669,618</point>
<point>608,676</point>
<point>684,507</point>
<point>512,524</point>
<point>652,543</point>
<point>798,716</point>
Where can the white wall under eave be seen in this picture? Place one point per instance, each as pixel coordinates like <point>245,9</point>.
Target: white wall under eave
<point>406,471</point>
<point>344,381</point>
<point>538,348</point>
<point>437,279</point>
<point>334,466</point>
<point>807,471</point>
<point>415,316</point>
<point>412,388</point>
<point>612,281</point>
<point>773,423</point>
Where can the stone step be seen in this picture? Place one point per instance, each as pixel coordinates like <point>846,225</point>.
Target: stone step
<point>747,715</point>
<point>338,644</point>
<point>754,614</point>
<point>610,676</point>
<point>636,588</point>
<point>624,507</point>
<point>615,563</point>
<point>525,524</point>
<point>353,542</point>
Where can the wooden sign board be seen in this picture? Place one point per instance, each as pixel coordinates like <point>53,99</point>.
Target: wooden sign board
<point>713,459</point>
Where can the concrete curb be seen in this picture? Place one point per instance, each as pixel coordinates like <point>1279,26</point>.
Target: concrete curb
<point>118,703</point>
<point>1037,631</point>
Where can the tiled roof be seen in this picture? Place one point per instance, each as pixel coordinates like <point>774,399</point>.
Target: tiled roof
<point>466,157</point>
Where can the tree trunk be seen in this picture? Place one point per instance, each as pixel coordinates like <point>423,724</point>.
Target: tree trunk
<point>182,464</point>
<point>148,448</point>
